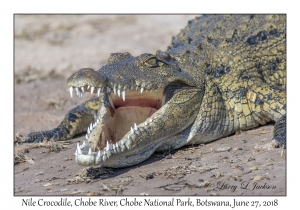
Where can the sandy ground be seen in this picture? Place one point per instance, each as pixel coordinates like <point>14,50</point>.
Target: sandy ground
<point>50,48</point>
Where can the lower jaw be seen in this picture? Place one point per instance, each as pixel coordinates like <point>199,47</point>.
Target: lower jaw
<point>118,124</point>
<point>114,154</point>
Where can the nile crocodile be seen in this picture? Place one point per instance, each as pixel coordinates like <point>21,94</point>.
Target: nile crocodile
<point>220,74</point>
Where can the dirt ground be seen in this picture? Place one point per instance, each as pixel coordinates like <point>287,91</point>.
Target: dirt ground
<point>49,48</point>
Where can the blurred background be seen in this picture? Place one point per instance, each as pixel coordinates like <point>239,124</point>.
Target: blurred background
<point>47,45</point>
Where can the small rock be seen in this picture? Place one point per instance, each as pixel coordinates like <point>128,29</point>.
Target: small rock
<point>223,149</point>
<point>218,175</point>
<point>149,176</point>
<point>169,156</point>
<point>257,178</point>
<point>46,185</point>
<point>253,168</point>
<point>40,173</point>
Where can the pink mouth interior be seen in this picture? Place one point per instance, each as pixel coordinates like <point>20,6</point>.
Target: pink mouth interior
<point>136,108</point>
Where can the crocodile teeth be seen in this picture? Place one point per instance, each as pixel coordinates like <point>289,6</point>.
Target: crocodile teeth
<point>88,130</point>
<point>123,95</point>
<point>86,137</point>
<point>119,92</point>
<point>83,145</point>
<point>150,120</point>
<point>135,127</point>
<point>82,89</point>
<point>116,144</point>
<point>113,147</point>
<point>90,151</point>
<point>88,87</point>
<point>131,130</point>
<point>98,121</point>
<point>98,154</point>
<point>98,91</point>
<point>142,89</point>
<point>107,146</point>
<point>91,127</point>
<point>71,91</point>
<point>78,149</point>
<point>92,90</point>
<point>77,91</point>
<point>146,123</point>
<point>115,90</point>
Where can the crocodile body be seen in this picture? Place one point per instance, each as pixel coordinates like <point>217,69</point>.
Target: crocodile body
<point>221,74</point>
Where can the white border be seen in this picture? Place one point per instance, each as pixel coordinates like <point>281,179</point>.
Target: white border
<point>8,8</point>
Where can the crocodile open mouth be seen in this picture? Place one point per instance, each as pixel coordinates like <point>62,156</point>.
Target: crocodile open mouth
<point>122,117</point>
<point>137,108</point>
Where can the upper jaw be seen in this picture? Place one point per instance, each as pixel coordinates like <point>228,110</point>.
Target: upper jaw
<point>88,80</point>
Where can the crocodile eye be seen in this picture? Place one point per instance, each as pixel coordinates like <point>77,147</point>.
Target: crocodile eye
<point>152,62</point>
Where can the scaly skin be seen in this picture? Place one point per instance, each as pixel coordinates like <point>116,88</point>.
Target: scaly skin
<point>222,73</point>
